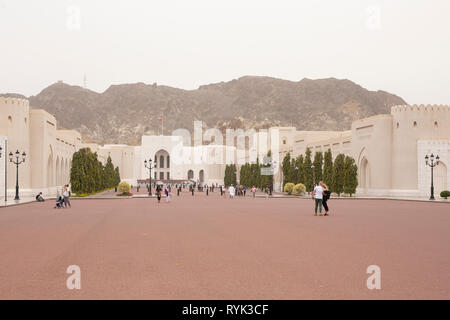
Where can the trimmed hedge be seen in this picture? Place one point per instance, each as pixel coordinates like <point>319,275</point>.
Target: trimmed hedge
<point>124,188</point>
<point>445,194</point>
<point>288,187</point>
<point>299,189</point>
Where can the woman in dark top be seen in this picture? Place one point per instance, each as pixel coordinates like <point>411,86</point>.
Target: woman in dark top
<point>158,193</point>
<point>326,196</point>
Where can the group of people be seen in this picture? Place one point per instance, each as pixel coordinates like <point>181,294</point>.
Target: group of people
<point>239,190</point>
<point>167,192</point>
<point>321,194</point>
<point>63,199</point>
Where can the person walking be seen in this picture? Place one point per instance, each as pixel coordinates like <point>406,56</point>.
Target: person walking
<point>318,198</point>
<point>158,194</point>
<point>326,197</point>
<point>167,193</point>
<point>231,190</point>
<point>253,191</point>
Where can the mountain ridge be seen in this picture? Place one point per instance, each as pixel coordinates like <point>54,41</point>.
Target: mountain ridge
<point>124,112</point>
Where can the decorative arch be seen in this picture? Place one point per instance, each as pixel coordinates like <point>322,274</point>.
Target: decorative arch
<point>190,174</point>
<point>440,178</point>
<point>67,172</point>
<point>201,176</point>
<point>50,182</point>
<point>364,176</point>
<point>58,171</point>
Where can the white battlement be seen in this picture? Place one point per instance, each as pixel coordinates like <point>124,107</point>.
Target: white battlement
<point>14,101</point>
<point>420,108</point>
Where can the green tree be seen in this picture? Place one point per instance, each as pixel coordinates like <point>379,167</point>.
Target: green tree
<point>301,172</point>
<point>116,177</point>
<point>328,169</point>
<point>351,176</point>
<point>308,172</point>
<point>86,174</point>
<point>339,173</point>
<point>286,164</point>
<point>318,162</point>
<point>109,174</point>
<point>254,168</point>
<point>227,177</point>
<point>292,175</point>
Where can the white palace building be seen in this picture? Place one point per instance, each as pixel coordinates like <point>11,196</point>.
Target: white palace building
<point>389,150</point>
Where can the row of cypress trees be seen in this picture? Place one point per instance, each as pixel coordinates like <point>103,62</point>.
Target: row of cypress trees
<point>230,175</point>
<point>341,176</point>
<point>88,175</point>
<point>250,174</point>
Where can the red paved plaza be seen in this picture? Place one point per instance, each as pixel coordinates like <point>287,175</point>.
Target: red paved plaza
<point>216,248</point>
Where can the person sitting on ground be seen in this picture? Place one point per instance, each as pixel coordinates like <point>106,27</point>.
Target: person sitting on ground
<point>59,202</point>
<point>39,197</point>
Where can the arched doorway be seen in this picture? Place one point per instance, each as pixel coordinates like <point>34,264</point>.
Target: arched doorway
<point>67,172</point>
<point>50,182</point>
<point>190,174</point>
<point>58,171</point>
<point>440,179</point>
<point>162,161</point>
<point>364,174</point>
<point>201,176</point>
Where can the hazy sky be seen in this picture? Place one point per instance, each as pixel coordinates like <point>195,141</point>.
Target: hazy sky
<point>401,46</point>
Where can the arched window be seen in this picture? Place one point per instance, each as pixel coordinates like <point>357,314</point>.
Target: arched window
<point>161,161</point>
<point>415,124</point>
<point>10,119</point>
<point>398,125</point>
<point>435,124</point>
<point>156,162</point>
<point>168,162</point>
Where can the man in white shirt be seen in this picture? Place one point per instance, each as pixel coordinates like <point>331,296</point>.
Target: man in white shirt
<point>231,190</point>
<point>318,197</point>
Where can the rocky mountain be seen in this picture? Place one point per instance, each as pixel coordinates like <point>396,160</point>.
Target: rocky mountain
<point>123,113</point>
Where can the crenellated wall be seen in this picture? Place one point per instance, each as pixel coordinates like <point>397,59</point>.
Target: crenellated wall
<point>15,124</point>
<point>49,150</point>
<point>412,123</point>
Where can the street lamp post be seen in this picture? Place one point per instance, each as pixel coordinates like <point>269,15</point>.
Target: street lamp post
<point>296,174</point>
<point>17,162</point>
<point>314,176</point>
<point>432,164</point>
<point>148,165</point>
